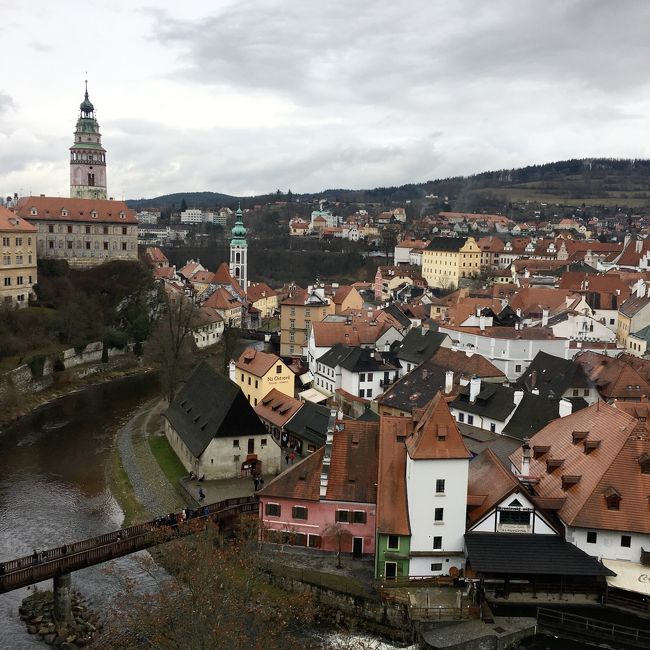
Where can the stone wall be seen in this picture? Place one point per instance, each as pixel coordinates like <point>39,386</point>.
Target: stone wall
<point>388,619</point>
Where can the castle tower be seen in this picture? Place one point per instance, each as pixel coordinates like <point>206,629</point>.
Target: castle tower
<point>239,252</point>
<point>87,156</point>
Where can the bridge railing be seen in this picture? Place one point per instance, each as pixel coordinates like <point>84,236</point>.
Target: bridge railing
<point>70,557</point>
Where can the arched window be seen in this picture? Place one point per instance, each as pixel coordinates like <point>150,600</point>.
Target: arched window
<point>237,257</point>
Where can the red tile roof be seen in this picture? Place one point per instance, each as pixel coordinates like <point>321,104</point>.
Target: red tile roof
<point>612,465</point>
<point>277,408</point>
<point>328,333</point>
<point>257,362</point>
<point>12,222</point>
<point>392,506</point>
<point>436,435</point>
<point>50,208</point>
<point>614,378</point>
<point>222,299</point>
<point>260,290</point>
<point>222,276</point>
<point>155,254</point>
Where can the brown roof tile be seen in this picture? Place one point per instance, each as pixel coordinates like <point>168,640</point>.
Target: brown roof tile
<point>257,362</point>
<point>12,222</point>
<point>436,435</point>
<point>277,408</point>
<point>328,333</point>
<point>49,208</point>
<point>259,290</point>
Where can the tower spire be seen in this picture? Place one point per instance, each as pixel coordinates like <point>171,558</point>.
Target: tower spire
<point>239,251</point>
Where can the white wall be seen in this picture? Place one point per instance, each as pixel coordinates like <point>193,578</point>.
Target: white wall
<point>583,328</point>
<point>491,522</point>
<point>421,477</point>
<point>608,543</point>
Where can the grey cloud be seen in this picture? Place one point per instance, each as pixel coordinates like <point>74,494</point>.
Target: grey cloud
<point>6,103</point>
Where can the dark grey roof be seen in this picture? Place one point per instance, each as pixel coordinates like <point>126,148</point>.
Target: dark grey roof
<point>416,389</point>
<point>211,406</point>
<point>419,345</point>
<point>534,413</point>
<point>310,423</point>
<point>357,359</point>
<point>368,415</point>
<point>446,243</point>
<point>477,440</point>
<point>643,333</point>
<point>493,401</point>
<point>524,554</point>
<point>553,376</point>
<point>394,311</point>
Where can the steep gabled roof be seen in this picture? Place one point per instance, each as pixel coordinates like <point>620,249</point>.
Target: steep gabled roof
<point>260,290</point>
<point>436,435</point>
<point>392,506</point>
<point>277,408</point>
<point>310,423</point>
<point>553,376</point>
<point>257,362</point>
<point>618,441</point>
<point>10,222</point>
<point>208,406</point>
<point>633,305</point>
<point>419,345</point>
<point>222,276</point>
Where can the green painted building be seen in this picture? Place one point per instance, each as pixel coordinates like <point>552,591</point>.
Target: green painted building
<point>392,556</point>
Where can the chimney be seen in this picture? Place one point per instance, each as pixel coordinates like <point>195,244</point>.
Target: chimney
<point>449,381</point>
<point>232,371</point>
<point>474,388</point>
<point>518,312</point>
<point>565,408</point>
<point>481,323</point>
<point>533,379</point>
<point>639,245</point>
<point>518,396</point>
<point>544,317</point>
<point>327,454</point>
<point>525,458</point>
<point>535,391</point>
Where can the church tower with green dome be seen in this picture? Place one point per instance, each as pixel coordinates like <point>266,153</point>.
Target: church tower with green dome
<point>87,156</point>
<point>239,252</point>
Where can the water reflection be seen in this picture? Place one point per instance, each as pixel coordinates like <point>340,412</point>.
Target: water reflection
<point>53,487</point>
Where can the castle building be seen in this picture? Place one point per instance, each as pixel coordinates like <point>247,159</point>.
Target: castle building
<point>87,156</point>
<point>239,252</point>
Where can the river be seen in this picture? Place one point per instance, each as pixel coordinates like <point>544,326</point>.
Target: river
<point>54,488</point>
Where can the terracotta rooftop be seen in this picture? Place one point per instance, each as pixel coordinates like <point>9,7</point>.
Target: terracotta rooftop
<point>256,362</point>
<point>466,364</point>
<point>614,378</point>
<point>222,276</point>
<point>527,333</point>
<point>259,291</point>
<point>605,459</point>
<point>190,269</point>
<point>222,299</point>
<point>277,408</point>
<point>328,333</point>
<point>13,223</point>
<point>436,434</point>
<point>392,507</point>
<point>51,208</point>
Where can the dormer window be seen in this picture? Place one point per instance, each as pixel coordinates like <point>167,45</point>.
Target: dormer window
<point>64,213</point>
<point>578,436</point>
<point>553,463</point>
<point>33,212</point>
<point>590,445</point>
<point>612,498</point>
<point>93,214</point>
<point>644,463</point>
<point>540,450</point>
<point>569,480</point>
<point>122,215</point>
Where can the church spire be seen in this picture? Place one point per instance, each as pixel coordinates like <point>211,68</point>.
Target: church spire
<point>239,251</point>
<point>87,156</point>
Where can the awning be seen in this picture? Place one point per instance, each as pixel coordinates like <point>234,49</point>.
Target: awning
<point>312,395</point>
<point>630,576</point>
<point>306,378</point>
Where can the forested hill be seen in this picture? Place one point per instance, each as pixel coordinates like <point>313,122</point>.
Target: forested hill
<point>597,181</point>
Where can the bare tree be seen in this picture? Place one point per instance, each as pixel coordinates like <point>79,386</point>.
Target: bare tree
<point>170,346</point>
<point>339,534</point>
<point>217,598</point>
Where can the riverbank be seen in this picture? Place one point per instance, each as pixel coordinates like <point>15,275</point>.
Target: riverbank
<point>71,381</point>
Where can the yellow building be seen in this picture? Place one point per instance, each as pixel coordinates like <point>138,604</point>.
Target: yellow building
<point>257,373</point>
<point>297,312</point>
<point>18,259</point>
<point>447,260</point>
<point>345,297</point>
<point>262,297</point>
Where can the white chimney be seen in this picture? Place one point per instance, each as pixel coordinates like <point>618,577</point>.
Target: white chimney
<point>481,322</point>
<point>232,371</point>
<point>474,388</point>
<point>449,381</point>
<point>525,458</point>
<point>518,396</point>
<point>535,391</point>
<point>544,317</point>
<point>565,408</point>
<point>639,245</point>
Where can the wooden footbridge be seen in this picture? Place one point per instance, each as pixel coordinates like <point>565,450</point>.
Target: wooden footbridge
<point>58,563</point>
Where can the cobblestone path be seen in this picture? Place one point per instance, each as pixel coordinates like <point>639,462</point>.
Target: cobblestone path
<point>150,485</point>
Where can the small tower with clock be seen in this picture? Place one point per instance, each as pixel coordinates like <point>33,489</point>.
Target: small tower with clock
<point>87,156</point>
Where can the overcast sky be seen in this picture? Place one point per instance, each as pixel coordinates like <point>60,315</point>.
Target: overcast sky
<point>248,96</point>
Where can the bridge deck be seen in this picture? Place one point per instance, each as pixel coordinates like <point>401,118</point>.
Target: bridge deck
<point>78,555</point>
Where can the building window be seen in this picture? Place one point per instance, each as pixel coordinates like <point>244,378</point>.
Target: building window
<point>362,392</point>
<point>292,337</point>
<point>105,230</point>
<point>517,368</point>
<point>278,370</point>
<point>273,509</point>
<point>105,245</point>
<point>19,279</point>
<point>342,516</point>
<point>470,419</point>
<point>438,514</point>
<point>299,512</point>
<point>88,230</point>
<point>436,566</point>
<point>124,230</point>
<point>626,541</point>
<point>369,392</point>
<point>5,241</point>
<point>359,517</point>
<point>50,228</point>
<point>592,536</point>
<point>6,260</point>
<point>69,230</point>
<point>493,427</point>
<point>393,543</point>
<point>7,282</point>
<point>437,542</point>
<point>440,486</point>
<point>235,443</point>
<point>362,376</point>
<point>461,417</point>
<point>314,541</point>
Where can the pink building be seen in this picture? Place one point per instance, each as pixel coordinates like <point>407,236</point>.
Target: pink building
<point>328,497</point>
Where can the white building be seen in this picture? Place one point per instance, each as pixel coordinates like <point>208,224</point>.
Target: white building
<point>149,217</point>
<point>192,216</point>
<point>437,465</point>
